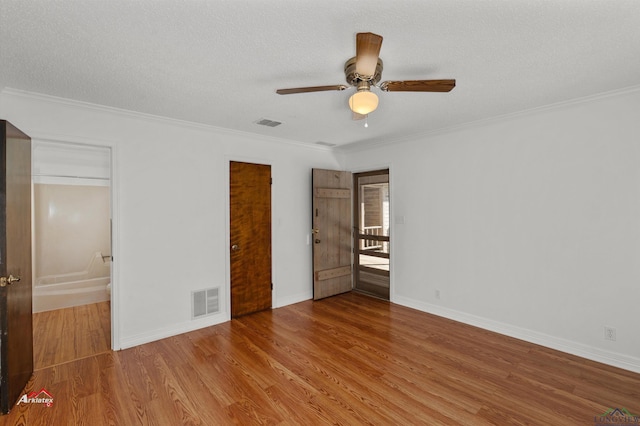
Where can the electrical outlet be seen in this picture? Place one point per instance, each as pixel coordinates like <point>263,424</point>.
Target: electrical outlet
<point>610,334</point>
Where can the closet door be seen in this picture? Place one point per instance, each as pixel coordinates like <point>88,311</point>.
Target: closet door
<point>250,237</point>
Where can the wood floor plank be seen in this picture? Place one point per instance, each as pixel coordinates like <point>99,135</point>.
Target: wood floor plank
<point>69,334</point>
<point>348,360</point>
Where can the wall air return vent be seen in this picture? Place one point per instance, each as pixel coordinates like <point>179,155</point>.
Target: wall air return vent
<point>205,302</point>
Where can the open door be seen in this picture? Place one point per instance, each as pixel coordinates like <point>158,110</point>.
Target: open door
<point>332,238</point>
<point>16,327</point>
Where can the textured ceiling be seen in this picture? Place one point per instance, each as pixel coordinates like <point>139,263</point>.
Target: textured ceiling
<point>220,62</point>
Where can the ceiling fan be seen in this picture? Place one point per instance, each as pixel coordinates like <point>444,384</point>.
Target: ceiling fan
<point>364,72</point>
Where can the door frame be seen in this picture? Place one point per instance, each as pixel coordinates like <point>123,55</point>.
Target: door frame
<point>392,222</point>
<point>356,213</point>
<point>113,194</point>
<point>227,240</point>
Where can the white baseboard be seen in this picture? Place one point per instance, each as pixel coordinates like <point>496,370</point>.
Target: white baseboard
<point>595,354</point>
<point>294,298</point>
<point>163,333</point>
<point>584,351</point>
<point>185,327</point>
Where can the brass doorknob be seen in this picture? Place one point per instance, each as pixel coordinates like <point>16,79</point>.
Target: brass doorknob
<point>5,281</point>
<point>235,247</point>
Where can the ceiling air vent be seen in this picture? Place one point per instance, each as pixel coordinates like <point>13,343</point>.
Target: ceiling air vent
<point>325,143</point>
<point>269,123</point>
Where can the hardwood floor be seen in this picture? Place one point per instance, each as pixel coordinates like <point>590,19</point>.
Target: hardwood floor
<point>349,359</point>
<point>69,334</point>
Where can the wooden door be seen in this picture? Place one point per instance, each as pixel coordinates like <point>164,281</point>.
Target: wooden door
<point>16,328</point>
<point>332,250</point>
<point>250,237</point>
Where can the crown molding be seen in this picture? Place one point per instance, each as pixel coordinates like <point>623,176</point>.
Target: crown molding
<point>81,105</point>
<point>366,145</point>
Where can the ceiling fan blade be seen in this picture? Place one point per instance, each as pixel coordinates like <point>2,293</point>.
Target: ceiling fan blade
<point>311,89</point>
<point>367,52</point>
<point>418,86</point>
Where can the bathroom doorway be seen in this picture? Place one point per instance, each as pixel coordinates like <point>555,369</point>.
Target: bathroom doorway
<point>72,251</point>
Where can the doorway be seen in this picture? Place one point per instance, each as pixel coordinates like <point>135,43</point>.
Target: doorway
<point>250,237</point>
<point>372,230</point>
<point>350,233</point>
<point>72,251</point>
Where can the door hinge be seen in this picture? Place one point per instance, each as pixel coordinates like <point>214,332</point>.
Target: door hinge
<point>271,286</point>
<point>270,181</point>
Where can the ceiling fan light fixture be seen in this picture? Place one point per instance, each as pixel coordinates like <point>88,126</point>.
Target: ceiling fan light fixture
<point>363,102</point>
<point>364,71</point>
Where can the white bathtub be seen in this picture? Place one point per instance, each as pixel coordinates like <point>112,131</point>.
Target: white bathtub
<point>47,297</point>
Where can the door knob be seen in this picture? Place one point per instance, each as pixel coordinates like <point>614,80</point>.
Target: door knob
<point>5,281</point>
<point>235,247</point>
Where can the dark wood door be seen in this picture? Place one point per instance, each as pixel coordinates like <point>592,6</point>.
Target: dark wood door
<point>16,329</point>
<point>332,249</point>
<point>250,237</point>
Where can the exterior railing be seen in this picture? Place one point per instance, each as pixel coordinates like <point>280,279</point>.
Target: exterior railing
<point>373,244</point>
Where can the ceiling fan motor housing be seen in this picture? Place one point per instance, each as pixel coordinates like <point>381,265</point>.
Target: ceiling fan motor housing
<point>365,70</point>
<point>353,78</point>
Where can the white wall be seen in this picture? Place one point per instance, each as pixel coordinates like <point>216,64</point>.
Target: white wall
<point>71,231</point>
<point>528,225</point>
<point>170,201</point>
